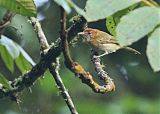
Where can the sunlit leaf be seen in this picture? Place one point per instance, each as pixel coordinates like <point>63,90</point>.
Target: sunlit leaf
<point>149,3</point>
<point>79,10</point>
<point>64,4</point>
<point>6,57</point>
<point>137,24</point>
<point>23,7</point>
<point>113,20</point>
<point>100,9</point>
<point>10,46</point>
<point>26,56</point>
<point>22,63</point>
<point>153,50</point>
<point>11,51</point>
<point>4,81</point>
<point>111,25</point>
<point>40,3</point>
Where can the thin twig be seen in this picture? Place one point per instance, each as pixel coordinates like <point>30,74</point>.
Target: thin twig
<point>54,66</point>
<point>40,34</point>
<point>6,20</point>
<point>76,68</point>
<point>61,86</point>
<point>65,51</point>
<point>102,73</point>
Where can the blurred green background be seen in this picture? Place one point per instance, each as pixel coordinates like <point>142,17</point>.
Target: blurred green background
<point>137,86</point>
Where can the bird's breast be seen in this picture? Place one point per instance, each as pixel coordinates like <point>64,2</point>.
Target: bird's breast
<point>109,47</point>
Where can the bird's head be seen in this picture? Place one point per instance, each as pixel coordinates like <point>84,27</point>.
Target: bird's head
<point>88,34</point>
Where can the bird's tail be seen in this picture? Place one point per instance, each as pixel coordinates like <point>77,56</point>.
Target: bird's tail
<point>133,50</point>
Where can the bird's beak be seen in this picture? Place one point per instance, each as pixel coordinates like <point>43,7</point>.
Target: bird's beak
<point>85,36</point>
<point>81,33</point>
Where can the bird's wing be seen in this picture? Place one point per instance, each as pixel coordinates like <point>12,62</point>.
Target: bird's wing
<point>106,38</point>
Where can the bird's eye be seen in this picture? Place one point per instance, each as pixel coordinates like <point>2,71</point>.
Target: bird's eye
<point>89,33</point>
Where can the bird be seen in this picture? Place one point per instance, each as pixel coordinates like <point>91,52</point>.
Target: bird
<point>103,41</point>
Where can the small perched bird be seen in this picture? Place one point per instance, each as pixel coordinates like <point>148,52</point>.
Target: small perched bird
<point>103,41</point>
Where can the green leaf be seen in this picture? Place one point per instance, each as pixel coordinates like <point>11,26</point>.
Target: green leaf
<point>23,7</point>
<point>10,46</point>
<point>26,56</point>
<point>111,25</point>
<point>78,10</point>
<point>113,20</point>
<point>14,51</point>
<point>137,24</point>
<point>22,64</point>
<point>4,81</point>
<point>6,57</point>
<point>100,9</point>
<point>153,50</point>
<point>64,4</point>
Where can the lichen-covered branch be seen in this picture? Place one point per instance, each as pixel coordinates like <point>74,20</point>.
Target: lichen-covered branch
<point>63,37</point>
<point>27,79</point>
<point>40,34</point>
<point>76,68</point>
<point>54,66</point>
<point>38,70</point>
<point>54,70</point>
<point>103,75</point>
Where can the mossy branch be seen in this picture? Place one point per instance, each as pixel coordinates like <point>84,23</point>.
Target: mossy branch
<point>54,51</point>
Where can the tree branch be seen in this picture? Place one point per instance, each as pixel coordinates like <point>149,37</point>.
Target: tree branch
<point>63,35</point>
<point>103,75</point>
<point>40,34</point>
<point>38,70</point>
<point>76,68</point>
<point>6,20</point>
<point>53,67</point>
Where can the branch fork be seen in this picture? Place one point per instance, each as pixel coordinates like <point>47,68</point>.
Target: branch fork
<point>49,59</point>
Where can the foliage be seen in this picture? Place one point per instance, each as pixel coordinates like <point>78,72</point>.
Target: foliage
<point>153,47</point>
<point>129,28</point>
<point>11,51</point>
<point>125,28</point>
<point>113,20</point>
<point>7,58</point>
<point>64,4</point>
<point>4,81</point>
<point>129,21</point>
<point>96,9</point>
<point>23,7</point>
